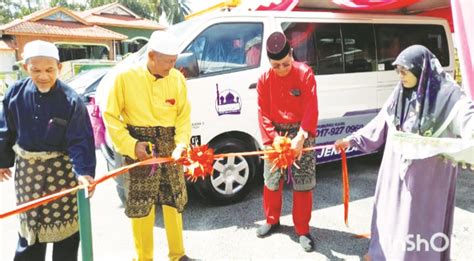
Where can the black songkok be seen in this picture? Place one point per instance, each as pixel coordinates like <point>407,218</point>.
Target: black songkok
<point>277,46</point>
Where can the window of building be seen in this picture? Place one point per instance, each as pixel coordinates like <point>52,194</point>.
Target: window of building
<point>124,48</point>
<point>81,51</point>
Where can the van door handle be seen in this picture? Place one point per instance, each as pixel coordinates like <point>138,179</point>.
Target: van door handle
<point>253,86</point>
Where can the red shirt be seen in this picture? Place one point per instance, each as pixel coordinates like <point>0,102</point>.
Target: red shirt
<point>288,99</point>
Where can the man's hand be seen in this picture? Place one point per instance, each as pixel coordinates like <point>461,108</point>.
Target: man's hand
<point>297,144</point>
<point>87,180</point>
<point>277,140</point>
<point>141,150</point>
<point>5,174</point>
<point>342,144</point>
<point>178,152</point>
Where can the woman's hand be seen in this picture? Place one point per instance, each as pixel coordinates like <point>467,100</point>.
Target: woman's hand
<point>342,144</point>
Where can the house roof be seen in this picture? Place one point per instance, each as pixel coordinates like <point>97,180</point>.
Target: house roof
<point>65,29</point>
<point>109,8</point>
<point>115,14</point>
<point>58,21</point>
<point>25,18</point>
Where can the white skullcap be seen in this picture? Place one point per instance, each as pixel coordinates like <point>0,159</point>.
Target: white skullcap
<point>163,42</point>
<point>40,48</point>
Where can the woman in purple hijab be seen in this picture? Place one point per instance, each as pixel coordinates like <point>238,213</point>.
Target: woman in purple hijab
<point>427,127</point>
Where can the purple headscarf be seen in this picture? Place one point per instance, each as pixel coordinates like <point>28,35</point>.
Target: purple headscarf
<point>436,93</point>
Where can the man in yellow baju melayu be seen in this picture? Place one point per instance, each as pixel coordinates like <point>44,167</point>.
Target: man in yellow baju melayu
<point>148,105</point>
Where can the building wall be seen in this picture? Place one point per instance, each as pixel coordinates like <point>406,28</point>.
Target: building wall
<point>7,75</point>
<point>21,40</point>
<point>131,32</point>
<point>8,60</point>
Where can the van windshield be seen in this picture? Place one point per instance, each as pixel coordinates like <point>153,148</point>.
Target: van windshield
<point>179,30</point>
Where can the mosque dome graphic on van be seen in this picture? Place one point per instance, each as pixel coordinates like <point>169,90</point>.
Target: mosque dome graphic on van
<point>227,101</point>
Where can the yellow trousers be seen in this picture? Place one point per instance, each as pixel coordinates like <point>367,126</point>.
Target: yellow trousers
<point>143,234</point>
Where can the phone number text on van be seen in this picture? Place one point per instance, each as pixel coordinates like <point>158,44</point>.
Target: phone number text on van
<point>338,130</point>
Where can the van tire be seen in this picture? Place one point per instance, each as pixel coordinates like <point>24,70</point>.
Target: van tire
<point>213,188</point>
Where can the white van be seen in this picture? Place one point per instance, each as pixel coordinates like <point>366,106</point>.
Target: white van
<point>222,58</point>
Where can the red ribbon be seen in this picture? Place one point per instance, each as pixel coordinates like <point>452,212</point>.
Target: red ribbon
<point>345,185</point>
<point>199,164</point>
<point>37,202</point>
<point>281,155</point>
<point>45,199</point>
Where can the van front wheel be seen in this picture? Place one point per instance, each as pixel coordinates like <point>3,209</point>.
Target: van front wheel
<point>232,176</point>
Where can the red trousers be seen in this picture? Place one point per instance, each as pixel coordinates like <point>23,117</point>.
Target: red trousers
<point>302,206</point>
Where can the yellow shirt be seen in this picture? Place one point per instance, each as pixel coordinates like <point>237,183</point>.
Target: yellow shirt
<point>139,99</point>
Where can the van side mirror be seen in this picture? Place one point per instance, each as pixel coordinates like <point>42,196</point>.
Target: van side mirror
<point>15,67</point>
<point>87,98</point>
<point>187,65</point>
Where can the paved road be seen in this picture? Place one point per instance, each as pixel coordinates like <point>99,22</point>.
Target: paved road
<point>228,232</point>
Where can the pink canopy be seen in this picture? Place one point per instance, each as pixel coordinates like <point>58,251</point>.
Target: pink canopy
<point>463,26</point>
<point>283,5</point>
<point>444,13</point>
<point>374,5</point>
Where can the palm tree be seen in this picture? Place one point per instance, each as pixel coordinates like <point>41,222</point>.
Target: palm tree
<point>175,10</point>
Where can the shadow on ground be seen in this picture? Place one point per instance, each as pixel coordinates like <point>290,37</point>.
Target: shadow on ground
<point>202,215</point>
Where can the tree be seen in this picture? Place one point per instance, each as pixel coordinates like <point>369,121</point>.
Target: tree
<point>13,9</point>
<point>5,12</point>
<point>139,8</point>
<point>65,3</point>
<point>96,3</point>
<point>175,10</point>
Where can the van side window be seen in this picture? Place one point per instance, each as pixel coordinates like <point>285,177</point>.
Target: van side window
<point>302,39</point>
<point>228,47</point>
<point>316,44</point>
<point>393,38</point>
<point>359,47</point>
